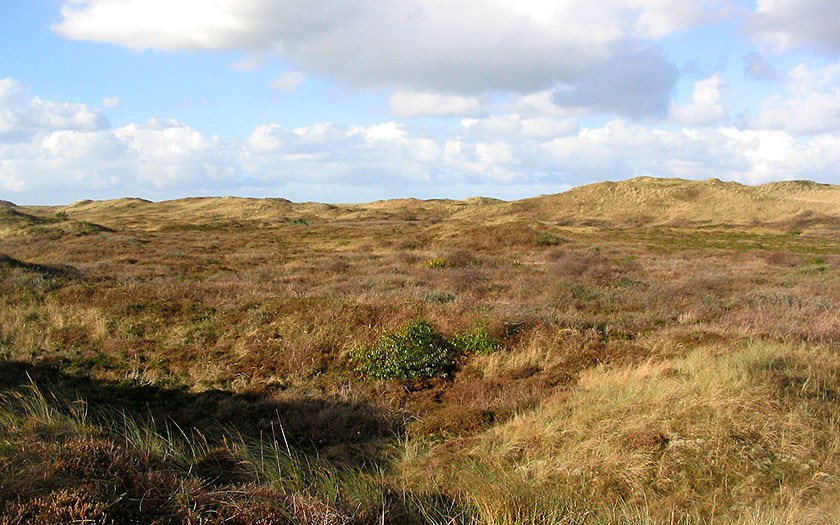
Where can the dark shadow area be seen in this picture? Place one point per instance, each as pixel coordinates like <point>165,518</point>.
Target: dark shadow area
<point>49,476</point>
<point>10,263</point>
<point>340,431</point>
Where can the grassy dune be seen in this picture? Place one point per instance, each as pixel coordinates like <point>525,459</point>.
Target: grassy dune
<point>648,351</point>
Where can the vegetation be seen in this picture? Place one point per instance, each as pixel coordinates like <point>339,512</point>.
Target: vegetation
<point>436,263</point>
<point>415,352</point>
<point>611,355</point>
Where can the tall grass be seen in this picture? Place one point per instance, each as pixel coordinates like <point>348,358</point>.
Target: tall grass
<point>711,436</point>
<point>55,454</point>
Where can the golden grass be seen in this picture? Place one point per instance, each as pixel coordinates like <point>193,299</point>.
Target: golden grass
<point>646,200</point>
<point>729,434</point>
<point>798,205</point>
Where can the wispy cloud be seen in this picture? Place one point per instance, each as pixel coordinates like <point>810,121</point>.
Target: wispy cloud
<point>290,81</point>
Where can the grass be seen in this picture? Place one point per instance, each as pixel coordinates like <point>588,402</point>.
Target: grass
<point>660,439</point>
<point>197,360</point>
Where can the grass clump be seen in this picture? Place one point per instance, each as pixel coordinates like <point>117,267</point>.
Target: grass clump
<point>548,239</point>
<point>414,352</point>
<point>436,263</point>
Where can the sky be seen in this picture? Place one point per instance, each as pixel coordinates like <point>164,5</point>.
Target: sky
<point>360,100</point>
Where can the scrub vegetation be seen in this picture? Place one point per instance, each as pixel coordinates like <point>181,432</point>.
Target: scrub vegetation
<point>650,351</point>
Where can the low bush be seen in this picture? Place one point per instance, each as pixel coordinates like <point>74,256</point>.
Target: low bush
<point>414,352</point>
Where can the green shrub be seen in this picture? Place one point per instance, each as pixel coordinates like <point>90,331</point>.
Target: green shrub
<point>478,341</point>
<point>436,263</point>
<point>413,352</point>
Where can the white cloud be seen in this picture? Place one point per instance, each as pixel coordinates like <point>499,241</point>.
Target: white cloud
<point>514,124</point>
<point>706,106</point>
<point>598,49</point>
<point>68,152</point>
<point>289,82</point>
<point>162,24</point>
<point>21,116</point>
<point>384,154</point>
<point>51,147</point>
<point>171,154</point>
<point>776,155</point>
<point>387,131</point>
<point>494,153</point>
<point>812,105</point>
<point>659,18</point>
<point>263,24</point>
<point>620,150</point>
<point>789,23</point>
<point>412,104</point>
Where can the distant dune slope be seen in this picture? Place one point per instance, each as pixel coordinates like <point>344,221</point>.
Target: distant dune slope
<point>677,202</point>
<point>643,201</point>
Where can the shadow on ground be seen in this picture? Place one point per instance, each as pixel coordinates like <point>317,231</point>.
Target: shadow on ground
<point>330,427</point>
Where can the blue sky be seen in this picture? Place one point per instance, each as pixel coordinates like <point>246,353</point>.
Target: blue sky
<point>359,100</point>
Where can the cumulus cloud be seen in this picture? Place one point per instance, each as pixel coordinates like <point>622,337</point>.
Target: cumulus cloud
<point>21,116</point>
<point>514,124</point>
<point>381,154</point>
<point>54,147</point>
<point>161,24</point>
<point>812,105</point>
<point>412,104</point>
<point>621,149</point>
<point>788,23</point>
<point>65,151</point>
<point>171,154</point>
<point>706,106</point>
<point>424,46</point>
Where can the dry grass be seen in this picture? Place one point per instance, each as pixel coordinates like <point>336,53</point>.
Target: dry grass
<point>650,362</point>
<point>715,435</point>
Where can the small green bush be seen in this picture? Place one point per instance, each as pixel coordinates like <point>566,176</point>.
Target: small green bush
<point>477,341</point>
<point>436,263</point>
<point>416,351</point>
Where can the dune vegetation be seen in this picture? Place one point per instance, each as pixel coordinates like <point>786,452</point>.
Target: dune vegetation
<point>648,351</point>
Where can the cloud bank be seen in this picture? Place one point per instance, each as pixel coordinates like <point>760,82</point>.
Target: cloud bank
<point>461,47</point>
<point>63,151</point>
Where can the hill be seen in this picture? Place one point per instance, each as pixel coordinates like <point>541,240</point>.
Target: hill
<point>675,202</point>
<point>643,201</point>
